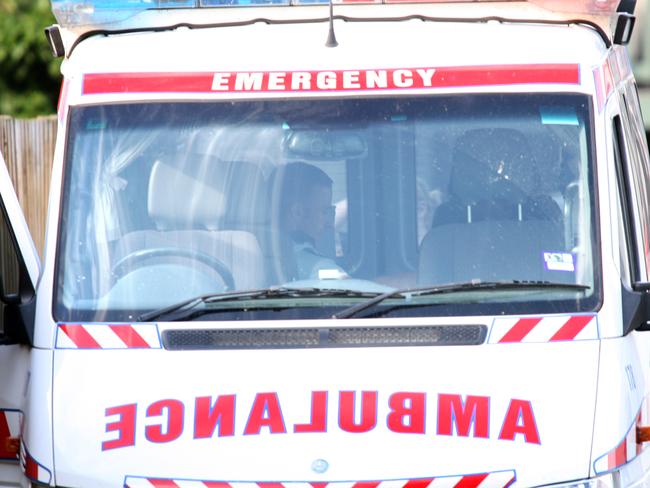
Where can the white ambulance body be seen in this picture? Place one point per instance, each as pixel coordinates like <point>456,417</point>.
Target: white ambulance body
<point>461,302</point>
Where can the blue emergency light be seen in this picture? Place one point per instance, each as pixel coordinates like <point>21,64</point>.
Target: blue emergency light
<point>84,12</point>
<point>71,13</point>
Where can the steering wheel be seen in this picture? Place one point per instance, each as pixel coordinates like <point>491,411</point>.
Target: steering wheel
<point>136,259</point>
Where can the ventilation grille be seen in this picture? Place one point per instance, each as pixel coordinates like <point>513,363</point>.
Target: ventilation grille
<point>445,335</point>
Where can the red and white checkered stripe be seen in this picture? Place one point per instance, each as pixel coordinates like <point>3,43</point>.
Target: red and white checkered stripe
<point>32,468</point>
<point>500,479</point>
<point>107,336</point>
<point>10,426</point>
<point>544,329</point>
<point>628,448</point>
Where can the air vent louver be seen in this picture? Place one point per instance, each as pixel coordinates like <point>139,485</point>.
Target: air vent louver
<point>292,338</point>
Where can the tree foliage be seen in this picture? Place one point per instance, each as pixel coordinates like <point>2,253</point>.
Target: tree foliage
<point>29,74</point>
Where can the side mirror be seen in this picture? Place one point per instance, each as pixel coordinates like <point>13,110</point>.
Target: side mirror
<point>624,28</point>
<point>636,307</point>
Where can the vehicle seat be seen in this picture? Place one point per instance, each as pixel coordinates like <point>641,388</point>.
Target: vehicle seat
<point>187,207</point>
<point>494,226</point>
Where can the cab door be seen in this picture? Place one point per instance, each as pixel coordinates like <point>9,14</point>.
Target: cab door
<point>19,271</point>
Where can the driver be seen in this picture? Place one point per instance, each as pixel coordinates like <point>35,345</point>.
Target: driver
<point>306,213</point>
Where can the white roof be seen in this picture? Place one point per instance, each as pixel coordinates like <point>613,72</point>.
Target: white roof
<point>408,43</point>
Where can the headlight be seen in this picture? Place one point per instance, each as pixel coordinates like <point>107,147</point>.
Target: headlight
<point>609,480</point>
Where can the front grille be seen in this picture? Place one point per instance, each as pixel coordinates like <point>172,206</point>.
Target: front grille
<point>295,338</point>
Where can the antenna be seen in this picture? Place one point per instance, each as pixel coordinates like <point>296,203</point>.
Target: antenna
<point>331,38</point>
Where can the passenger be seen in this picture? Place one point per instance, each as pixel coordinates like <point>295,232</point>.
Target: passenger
<point>341,227</point>
<point>427,201</point>
<point>306,214</point>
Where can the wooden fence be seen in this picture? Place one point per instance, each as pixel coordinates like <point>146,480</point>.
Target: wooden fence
<point>28,149</point>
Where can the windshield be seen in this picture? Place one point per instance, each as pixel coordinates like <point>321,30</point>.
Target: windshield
<point>168,201</point>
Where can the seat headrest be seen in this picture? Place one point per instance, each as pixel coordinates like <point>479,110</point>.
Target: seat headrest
<point>184,199</point>
<point>492,163</point>
<point>245,186</point>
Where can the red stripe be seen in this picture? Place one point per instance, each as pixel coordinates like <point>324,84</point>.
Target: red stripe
<point>520,330</point>
<point>600,90</point>
<point>318,484</point>
<point>63,100</point>
<point>508,75</point>
<point>471,481</point>
<point>216,484</point>
<point>5,434</point>
<point>162,483</point>
<point>572,328</point>
<point>366,484</point>
<point>421,483</point>
<point>79,336</point>
<point>618,456</point>
<point>608,79</point>
<point>307,81</point>
<point>270,484</point>
<point>129,336</point>
<point>147,82</point>
<point>639,420</point>
<point>31,467</point>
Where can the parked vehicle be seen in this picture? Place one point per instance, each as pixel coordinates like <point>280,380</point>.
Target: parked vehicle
<point>352,245</point>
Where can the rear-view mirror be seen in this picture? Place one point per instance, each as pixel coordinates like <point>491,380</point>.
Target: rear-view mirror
<point>323,145</point>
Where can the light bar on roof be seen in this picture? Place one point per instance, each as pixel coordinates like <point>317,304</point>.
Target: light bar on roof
<point>113,13</point>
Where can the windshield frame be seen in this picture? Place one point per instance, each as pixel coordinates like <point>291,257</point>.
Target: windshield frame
<point>592,303</point>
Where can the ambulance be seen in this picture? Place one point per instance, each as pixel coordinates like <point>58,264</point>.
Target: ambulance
<point>299,244</point>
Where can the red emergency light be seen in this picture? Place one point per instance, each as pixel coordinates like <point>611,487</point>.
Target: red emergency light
<point>592,7</point>
<point>605,7</point>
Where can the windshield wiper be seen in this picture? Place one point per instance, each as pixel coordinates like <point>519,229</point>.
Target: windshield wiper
<point>453,288</point>
<point>189,308</point>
